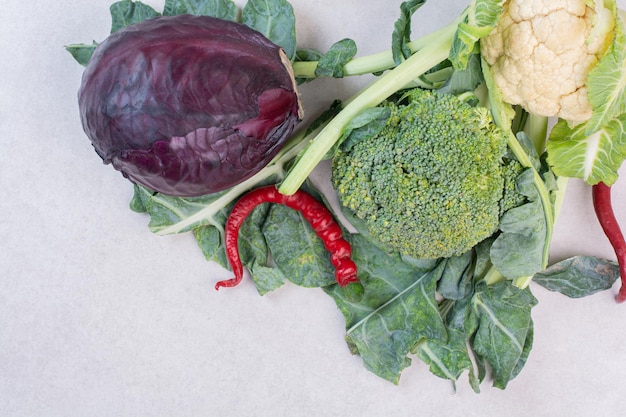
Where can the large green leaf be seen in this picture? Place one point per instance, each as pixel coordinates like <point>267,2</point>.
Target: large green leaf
<point>170,215</point>
<point>332,62</point>
<point>606,83</point>
<point>364,125</point>
<point>594,158</point>
<point>252,245</point>
<point>520,248</point>
<point>296,250</point>
<point>402,30</point>
<point>502,328</point>
<point>397,310</point>
<point>449,358</point>
<point>579,276</point>
<point>128,12</point>
<point>464,80</point>
<point>253,249</point>
<point>211,242</point>
<point>222,9</point>
<point>457,278</point>
<point>266,278</point>
<point>491,327</point>
<point>275,19</point>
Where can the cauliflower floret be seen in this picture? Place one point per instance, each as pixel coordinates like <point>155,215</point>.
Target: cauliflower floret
<point>542,51</point>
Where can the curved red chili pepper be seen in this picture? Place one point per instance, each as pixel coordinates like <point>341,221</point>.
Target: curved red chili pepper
<point>318,216</point>
<point>603,207</point>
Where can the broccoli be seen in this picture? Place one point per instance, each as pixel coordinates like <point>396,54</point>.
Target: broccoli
<point>511,197</point>
<point>431,182</point>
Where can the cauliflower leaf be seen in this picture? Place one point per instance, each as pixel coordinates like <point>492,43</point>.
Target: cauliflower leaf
<point>482,18</point>
<point>595,158</point>
<point>607,83</point>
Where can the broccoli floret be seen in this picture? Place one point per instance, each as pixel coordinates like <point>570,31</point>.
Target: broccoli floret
<point>511,197</point>
<point>430,183</point>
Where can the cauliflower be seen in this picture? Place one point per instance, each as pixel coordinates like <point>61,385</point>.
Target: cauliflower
<point>541,53</point>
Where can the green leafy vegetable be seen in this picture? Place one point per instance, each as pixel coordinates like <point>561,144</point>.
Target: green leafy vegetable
<point>579,276</point>
<point>211,243</point>
<point>331,63</point>
<point>607,83</point>
<point>82,52</point>
<point>275,20</point>
<point>593,157</point>
<point>402,30</point>
<point>457,280</point>
<point>479,22</point>
<point>519,250</point>
<point>495,322</point>
<point>176,214</point>
<point>223,9</point>
<point>366,124</point>
<point>467,311</point>
<point>449,360</point>
<point>465,80</point>
<point>304,261</point>
<point>500,319</point>
<point>127,12</point>
<point>267,278</point>
<point>397,310</point>
<point>479,324</point>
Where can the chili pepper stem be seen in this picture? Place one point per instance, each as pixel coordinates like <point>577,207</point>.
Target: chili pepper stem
<point>601,194</point>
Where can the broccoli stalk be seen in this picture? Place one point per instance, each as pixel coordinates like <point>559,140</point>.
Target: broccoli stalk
<point>435,49</point>
<point>374,63</point>
<point>503,115</point>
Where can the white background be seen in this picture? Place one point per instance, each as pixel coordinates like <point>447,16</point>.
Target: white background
<point>99,317</point>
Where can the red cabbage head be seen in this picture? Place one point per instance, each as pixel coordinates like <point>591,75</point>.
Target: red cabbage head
<point>188,105</point>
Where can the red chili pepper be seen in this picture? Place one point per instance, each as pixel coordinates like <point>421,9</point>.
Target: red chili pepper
<point>604,211</point>
<point>318,216</point>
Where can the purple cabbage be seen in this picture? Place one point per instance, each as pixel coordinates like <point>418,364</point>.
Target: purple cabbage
<point>188,105</point>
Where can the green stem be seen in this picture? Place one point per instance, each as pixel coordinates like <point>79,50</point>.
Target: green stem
<point>544,194</point>
<point>392,81</point>
<point>503,115</point>
<point>492,276</point>
<point>537,130</point>
<point>370,64</point>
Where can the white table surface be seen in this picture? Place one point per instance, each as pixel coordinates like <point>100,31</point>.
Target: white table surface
<point>99,317</point>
